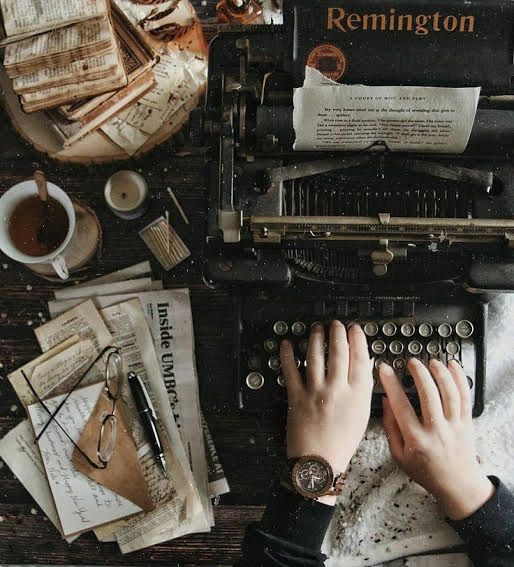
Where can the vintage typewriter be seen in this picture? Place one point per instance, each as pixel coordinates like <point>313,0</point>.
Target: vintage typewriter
<point>413,247</point>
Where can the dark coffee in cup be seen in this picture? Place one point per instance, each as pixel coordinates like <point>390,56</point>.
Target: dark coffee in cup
<point>37,230</point>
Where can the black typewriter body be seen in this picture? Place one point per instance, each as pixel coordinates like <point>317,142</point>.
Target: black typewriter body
<point>413,247</point>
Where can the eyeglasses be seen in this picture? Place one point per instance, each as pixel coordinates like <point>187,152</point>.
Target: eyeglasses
<point>113,384</point>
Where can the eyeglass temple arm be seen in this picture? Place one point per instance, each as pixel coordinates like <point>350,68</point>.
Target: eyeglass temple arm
<point>76,385</point>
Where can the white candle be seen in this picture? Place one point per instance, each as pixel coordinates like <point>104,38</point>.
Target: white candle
<point>126,193</point>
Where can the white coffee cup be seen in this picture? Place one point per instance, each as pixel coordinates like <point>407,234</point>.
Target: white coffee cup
<point>8,203</point>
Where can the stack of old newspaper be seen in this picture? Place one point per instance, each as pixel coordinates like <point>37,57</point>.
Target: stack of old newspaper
<point>57,52</point>
<point>153,331</point>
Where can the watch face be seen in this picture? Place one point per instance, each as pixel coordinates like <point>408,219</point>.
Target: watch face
<point>312,477</point>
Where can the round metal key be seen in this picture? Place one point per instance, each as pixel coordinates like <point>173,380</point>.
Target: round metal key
<point>445,330</point>
<point>281,381</point>
<point>299,328</point>
<point>408,330</point>
<point>464,329</point>
<point>399,364</point>
<point>275,363</point>
<point>280,328</point>
<point>433,348</point>
<point>389,329</point>
<point>396,347</point>
<point>415,348</point>
<point>378,347</point>
<point>255,381</point>
<point>379,362</point>
<point>371,329</point>
<point>270,346</point>
<point>425,330</point>
<point>453,348</point>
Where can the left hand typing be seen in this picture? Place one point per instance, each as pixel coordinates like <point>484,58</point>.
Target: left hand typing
<point>329,411</point>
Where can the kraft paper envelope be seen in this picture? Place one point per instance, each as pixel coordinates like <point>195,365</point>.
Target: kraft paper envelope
<point>124,474</point>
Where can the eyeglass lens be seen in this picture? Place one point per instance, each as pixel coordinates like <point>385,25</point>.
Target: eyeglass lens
<point>107,439</point>
<point>114,375</point>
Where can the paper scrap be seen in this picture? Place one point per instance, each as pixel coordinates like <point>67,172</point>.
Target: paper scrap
<point>355,117</point>
<point>81,503</point>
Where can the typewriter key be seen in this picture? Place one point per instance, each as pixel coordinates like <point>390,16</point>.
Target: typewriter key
<point>254,362</point>
<point>270,346</point>
<point>426,330</point>
<point>464,329</point>
<point>379,362</point>
<point>452,348</point>
<point>408,329</point>
<point>415,348</point>
<point>378,347</point>
<point>399,364</point>
<point>371,329</point>
<point>281,328</point>
<point>389,329</point>
<point>433,348</point>
<point>275,363</point>
<point>298,362</point>
<point>303,346</point>
<point>280,381</point>
<point>445,330</point>
<point>470,382</point>
<point>255,381</point>
<point>299,328</point>
<point>396,347</point>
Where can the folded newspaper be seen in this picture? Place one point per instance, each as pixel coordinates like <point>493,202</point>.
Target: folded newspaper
<point>154,332</point>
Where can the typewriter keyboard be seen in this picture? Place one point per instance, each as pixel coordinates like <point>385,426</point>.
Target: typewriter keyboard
<point>391,340</point>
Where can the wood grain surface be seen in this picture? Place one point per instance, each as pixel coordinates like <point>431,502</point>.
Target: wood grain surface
<point>249,447</point>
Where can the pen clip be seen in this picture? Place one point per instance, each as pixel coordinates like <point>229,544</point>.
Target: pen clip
<point>147,397</point>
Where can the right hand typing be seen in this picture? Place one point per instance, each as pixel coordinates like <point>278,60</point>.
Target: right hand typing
<point>437,450</point>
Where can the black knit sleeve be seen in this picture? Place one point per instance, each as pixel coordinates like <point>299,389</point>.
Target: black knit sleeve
<point>290,533</point>
<point>489,532</point>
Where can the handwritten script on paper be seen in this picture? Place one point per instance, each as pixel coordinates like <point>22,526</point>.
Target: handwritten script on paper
<point>81,503</point>
<point>328,116</point>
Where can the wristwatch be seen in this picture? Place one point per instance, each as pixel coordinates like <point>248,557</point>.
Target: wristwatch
<point>313,477</point>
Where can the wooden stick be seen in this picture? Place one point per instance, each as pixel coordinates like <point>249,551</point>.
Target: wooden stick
<point>177,204</point>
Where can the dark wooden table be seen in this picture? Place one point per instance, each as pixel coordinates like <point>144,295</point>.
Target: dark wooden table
<point>248,446</point>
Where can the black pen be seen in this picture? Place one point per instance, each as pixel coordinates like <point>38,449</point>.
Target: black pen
<point>148,418</point>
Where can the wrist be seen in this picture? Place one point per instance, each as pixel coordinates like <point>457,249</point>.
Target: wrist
<point>463,501</point>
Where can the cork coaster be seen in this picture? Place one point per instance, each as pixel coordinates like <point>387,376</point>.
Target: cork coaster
<point>85,245</point>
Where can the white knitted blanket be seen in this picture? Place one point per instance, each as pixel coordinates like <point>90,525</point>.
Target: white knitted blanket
<point>382,515</point>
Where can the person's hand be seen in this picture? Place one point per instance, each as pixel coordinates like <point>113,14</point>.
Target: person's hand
<point>328,411</point>
<point>437,451</point>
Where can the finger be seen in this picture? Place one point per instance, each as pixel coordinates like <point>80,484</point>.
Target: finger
<point>316,356</point>
<point>429,398</point>
<point>461,382</point>
<point>361,368</point>
<point>290,372</point>
<point>447,389</point>
<point>338,353</point>
<point>392,430</point>
<point>401,407</point>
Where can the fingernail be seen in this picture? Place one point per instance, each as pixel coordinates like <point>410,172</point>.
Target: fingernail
<point>385,368</point>
<point>316,326</point>
<point>336,322</point>
<point>456,363</point>
<point>434,362</point>
<point>352,324</point>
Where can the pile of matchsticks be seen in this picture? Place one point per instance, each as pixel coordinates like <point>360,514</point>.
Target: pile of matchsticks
<point>164,243</point>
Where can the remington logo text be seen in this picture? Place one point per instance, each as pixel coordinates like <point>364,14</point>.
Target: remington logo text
<point>420,24</point>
